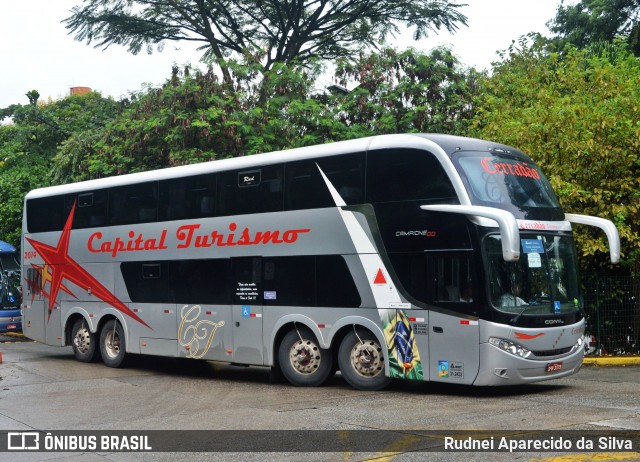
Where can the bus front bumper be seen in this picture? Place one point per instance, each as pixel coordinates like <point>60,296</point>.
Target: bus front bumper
<point>11,324</point>
<point>497,367</point>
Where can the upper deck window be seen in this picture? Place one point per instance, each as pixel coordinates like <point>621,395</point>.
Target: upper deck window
<point>405,175</point>
<point>306,189</point>
<point>509,183</point>
<point>254,190</point>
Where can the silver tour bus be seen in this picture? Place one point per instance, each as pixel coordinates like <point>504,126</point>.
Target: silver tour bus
<point>424,257</point>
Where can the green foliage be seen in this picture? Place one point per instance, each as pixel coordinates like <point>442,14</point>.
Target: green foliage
<point>196,117</point>
<point>32,140</point>
<point>18,175</point>
<point>589,21</point>
<point>578,116</point>
<point>410,91</point>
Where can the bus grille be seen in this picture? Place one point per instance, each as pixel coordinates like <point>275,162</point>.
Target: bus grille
<point>557,352</point>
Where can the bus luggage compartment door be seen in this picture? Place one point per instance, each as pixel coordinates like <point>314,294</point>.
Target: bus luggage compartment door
<point>454,349</point>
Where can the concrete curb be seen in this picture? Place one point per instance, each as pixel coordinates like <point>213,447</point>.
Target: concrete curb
<point>611,361</point>
<point>13,334</point>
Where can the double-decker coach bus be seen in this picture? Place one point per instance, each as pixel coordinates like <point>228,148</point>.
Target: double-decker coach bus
<point>424,257</point>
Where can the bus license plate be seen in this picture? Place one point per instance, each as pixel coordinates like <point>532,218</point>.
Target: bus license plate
<point>554,367</point>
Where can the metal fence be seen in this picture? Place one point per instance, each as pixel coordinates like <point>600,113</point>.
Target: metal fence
<point>613,315</point>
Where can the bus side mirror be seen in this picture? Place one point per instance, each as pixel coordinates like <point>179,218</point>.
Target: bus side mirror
<point>606,225</point>
<point>509,232</point>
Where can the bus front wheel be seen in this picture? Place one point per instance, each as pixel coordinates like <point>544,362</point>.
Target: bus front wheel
<point>361,361</point>
<point>112,343</point>
<point>83,342</point>
<point>302,361</point>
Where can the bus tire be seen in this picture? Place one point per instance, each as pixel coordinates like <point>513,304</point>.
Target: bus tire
<point>84,342</point>
<point>112,343</point>
<point>361,361</point>
<point>302,362</point>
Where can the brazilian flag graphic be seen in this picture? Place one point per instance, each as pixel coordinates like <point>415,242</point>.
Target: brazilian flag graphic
<point>404,357</point>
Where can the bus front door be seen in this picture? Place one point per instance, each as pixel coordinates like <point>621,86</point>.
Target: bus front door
<point>454,351</point>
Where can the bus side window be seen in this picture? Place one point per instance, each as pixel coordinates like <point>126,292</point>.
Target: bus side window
<point>34,281</point>
<point>306,189</point>
<point>346,174</point>
<point>453,277</point>
<point>90,208</point>
<point>445,279</point>
<point>289,281</point>
<point>406,174</point>
<point>335,286</point>
<point>184,198</point>
<point>242,192</point>
<point>45,214</point>
<point>135,203</point>
<point>202,282</point>
<point>323,281</point>
<point>146,282</point>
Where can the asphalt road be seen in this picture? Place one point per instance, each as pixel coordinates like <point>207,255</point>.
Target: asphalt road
<point>45,389</point>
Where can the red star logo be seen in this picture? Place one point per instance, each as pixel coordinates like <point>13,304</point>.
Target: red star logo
<point>64,267</point>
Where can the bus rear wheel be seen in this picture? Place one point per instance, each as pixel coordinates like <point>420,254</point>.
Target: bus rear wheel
<point>112,344</point>
<point>302,361</point>
<point>361,361</point>
<point>83,342</point>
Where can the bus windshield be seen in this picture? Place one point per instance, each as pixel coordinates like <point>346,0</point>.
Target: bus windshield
<point>544,281</point>
<point>508,183</point>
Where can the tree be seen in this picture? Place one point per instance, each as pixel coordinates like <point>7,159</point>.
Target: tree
<point>42,127</point>
<point>30,142</point>
<point>194,117</point>
<point>577,114</point>
<point>266,31</point>
<point>589,21</point>
<point>18,175</point>
<point>408,91</point>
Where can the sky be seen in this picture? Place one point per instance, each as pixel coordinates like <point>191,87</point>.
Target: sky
<point>38,54</point>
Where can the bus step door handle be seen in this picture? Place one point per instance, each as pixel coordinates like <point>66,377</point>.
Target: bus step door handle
<point>438,330</point>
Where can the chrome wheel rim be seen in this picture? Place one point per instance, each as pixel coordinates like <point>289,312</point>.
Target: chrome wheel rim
<point>367,358</point>
<point>82,340</point>
<point>112,344</point>
<point>304,356</point>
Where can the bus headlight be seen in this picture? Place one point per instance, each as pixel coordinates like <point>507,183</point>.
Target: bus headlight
<point>510,347</point>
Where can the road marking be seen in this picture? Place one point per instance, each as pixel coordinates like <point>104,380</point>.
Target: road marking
<point>594,457</point>
<point>398,447</point>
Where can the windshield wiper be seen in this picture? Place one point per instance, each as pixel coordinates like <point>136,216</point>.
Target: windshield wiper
<point>532,304</point>
<point>517,318</point>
